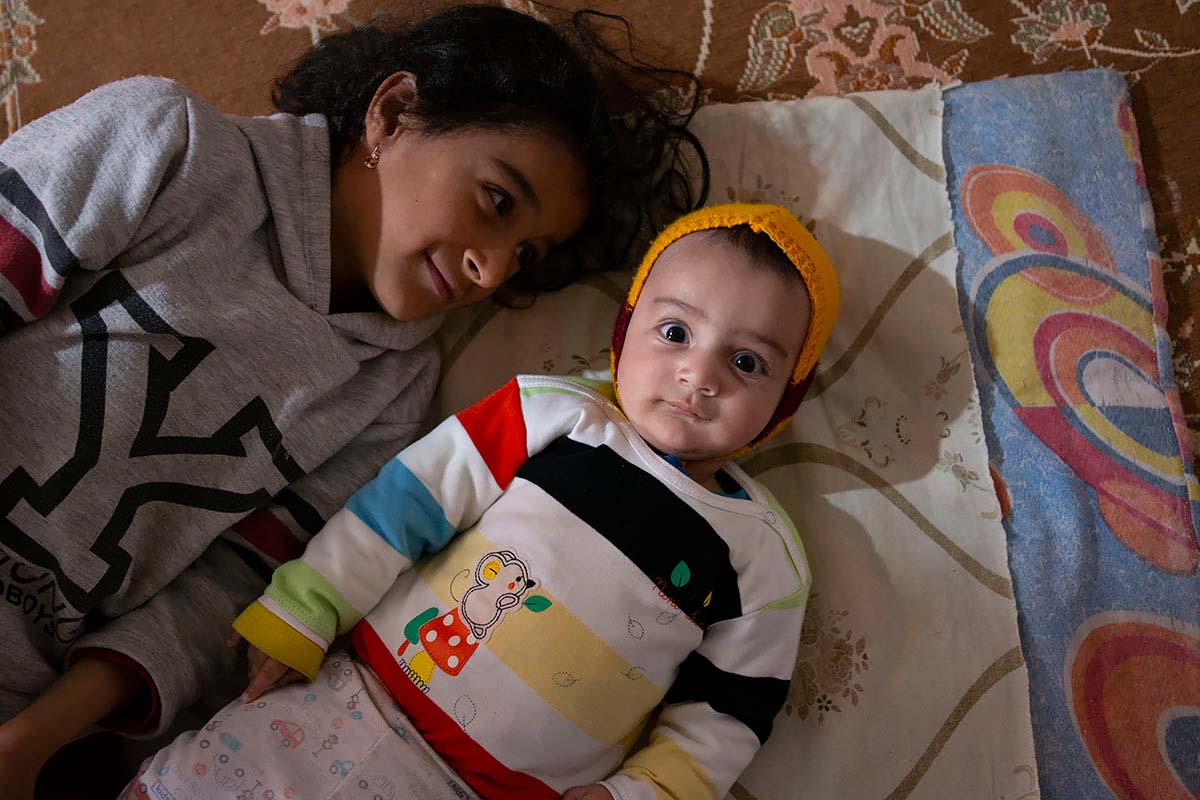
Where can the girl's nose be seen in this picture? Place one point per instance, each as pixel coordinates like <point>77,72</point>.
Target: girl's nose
<point>486,268</point>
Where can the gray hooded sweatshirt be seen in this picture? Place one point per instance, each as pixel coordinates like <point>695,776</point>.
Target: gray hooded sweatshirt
<point>179,411</point>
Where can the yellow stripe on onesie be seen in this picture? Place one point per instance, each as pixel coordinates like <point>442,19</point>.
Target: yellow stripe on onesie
<point>583,656</point>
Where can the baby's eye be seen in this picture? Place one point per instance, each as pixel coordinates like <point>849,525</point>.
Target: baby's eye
<point>673,332</point>
<point>526,255</point>
<point>500,200</point>
<point>748,363</point>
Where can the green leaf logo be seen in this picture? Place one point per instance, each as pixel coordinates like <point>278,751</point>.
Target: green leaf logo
<point>681,574</point>
<point>537,603</point>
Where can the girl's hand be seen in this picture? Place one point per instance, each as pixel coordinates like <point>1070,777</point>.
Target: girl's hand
<point>18,771</point>
<point>88,691</point>
<point>265,672</point>
<point>593,792</point>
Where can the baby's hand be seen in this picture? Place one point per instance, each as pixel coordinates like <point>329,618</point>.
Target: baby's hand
<point>593,792</point>
<point>265,672</point>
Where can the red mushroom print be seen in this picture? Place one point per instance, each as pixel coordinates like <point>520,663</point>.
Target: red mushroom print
<point>450,639</point>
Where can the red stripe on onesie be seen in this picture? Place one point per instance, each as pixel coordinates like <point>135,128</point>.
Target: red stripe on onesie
<point>478,768</point>
<point>497,429</point>
<point>21,265</point>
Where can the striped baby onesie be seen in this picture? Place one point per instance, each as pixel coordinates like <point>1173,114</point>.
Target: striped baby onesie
<point>531,581</point>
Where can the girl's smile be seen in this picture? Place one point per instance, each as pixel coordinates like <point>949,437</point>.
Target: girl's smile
<point>441,284</point>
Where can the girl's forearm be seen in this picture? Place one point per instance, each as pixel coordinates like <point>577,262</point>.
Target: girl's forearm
<point>86,693</point>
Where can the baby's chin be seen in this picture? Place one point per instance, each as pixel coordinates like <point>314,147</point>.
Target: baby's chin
<point>678,447</point>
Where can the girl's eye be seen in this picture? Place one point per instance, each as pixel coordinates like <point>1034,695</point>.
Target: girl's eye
<point>500,200</point>
<point>526,255</point>
<point>748,363</point>
<point>673,332</point>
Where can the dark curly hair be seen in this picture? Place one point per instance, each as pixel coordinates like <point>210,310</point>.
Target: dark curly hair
<point>490,67</point>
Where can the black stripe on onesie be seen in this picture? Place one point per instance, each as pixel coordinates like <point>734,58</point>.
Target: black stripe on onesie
<point>672,544</point>
<point>754,702</point>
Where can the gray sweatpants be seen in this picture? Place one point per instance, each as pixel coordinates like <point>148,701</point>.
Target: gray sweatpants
<point>340,737</point>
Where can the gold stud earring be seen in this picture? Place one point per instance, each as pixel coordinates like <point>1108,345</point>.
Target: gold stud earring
<point>372,160</point>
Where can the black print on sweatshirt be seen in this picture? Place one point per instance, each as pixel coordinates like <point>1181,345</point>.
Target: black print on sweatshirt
<point>164,375</point>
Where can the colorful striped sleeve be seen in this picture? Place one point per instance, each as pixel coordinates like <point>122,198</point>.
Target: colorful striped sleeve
<point>436,487</point>
<point>718,712</point>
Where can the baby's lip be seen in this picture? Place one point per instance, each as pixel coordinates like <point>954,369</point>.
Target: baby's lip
<point>686,409</point>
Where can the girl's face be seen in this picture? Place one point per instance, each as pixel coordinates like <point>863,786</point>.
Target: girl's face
<point>444,219</point>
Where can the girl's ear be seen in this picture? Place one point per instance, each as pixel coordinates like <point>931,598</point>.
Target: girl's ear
<point>389,113</point>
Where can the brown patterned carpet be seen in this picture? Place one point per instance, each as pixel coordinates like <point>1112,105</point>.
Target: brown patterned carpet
<point>227,50</point>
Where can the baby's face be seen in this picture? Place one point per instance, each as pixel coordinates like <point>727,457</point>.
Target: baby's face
<point>709,350</point>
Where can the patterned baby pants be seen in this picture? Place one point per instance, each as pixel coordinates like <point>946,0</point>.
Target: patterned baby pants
<point>341,737</point>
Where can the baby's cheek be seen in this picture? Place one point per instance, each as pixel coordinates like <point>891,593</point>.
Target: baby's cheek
<point>659,434</point>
